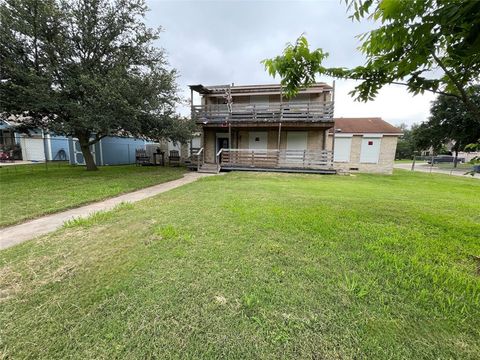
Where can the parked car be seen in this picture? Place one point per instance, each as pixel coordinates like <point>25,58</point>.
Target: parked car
<point>444,159</point>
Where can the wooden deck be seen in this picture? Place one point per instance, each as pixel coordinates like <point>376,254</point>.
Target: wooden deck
<point>286,159</point>
<point>270,112</point>
<point>281,170</point>
<point>298,161</point>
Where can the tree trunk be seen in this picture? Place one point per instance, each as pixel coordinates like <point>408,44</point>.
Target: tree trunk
<point>455,160</point>
<point>87,155</point>
<point>89,161</point>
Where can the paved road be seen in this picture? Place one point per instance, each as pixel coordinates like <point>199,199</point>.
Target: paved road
<point>17,234</point>
<point>424,167</point>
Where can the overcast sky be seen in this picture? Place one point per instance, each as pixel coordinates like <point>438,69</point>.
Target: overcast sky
<point>220,42</point>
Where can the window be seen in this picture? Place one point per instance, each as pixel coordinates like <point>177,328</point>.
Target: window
<point>342,149</point>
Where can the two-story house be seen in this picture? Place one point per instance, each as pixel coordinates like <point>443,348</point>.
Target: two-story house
<point>245,127</point>
<point>254,128</point>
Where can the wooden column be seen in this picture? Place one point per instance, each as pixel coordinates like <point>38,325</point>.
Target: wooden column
<point>229,136</point>
<point>279,135</point>
<point>334,130</point>
<point>278,142</point>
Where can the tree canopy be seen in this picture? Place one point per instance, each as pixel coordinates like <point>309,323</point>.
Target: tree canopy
<point>450,121</point>
<point>405,145</point>
<point>426,45</point>
<point>86,68</point>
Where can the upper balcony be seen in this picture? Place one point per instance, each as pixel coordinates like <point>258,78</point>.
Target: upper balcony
<point>270,112</point>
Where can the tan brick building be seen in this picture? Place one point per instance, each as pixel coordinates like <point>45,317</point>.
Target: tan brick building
<point>363,145</point>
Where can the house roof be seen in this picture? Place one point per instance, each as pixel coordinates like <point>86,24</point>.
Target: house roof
<point>256,89</point>
<point>371,125</point>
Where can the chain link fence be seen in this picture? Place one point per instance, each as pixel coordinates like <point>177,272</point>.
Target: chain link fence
<point>442,164</point>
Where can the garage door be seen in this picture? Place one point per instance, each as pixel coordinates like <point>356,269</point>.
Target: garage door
<point>32,148</point>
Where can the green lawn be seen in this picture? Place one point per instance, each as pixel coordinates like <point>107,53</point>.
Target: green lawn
<point>29,191</point>
<point>257,266</point>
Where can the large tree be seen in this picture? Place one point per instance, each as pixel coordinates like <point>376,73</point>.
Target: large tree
<point>86,68</point>
<point>405,145</point>
<point>450,121</point>
<point>426,45</point>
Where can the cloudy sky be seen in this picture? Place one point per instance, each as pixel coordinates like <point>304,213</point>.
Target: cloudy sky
<point>220,42</point>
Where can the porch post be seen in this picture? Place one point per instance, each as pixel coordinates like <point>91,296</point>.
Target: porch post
<point>191,100</point>
<point>278,141</point>
<point>229,135</point>
<point>279,134</point>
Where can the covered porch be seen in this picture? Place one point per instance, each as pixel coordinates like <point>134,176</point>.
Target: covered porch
<point>292,147</point>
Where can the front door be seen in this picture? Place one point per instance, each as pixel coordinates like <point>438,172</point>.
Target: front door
<point>222,143</point>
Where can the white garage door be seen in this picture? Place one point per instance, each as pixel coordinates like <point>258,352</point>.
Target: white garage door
<point>33,148</point>
<point>257,140</point>
<point>341,152</point>
<point>370,151</point>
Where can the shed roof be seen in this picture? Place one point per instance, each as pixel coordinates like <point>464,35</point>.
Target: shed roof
<point>370,125</point>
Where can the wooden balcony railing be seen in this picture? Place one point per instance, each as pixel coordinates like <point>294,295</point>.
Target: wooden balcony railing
<point>307,159</point>
<point>271,112</point>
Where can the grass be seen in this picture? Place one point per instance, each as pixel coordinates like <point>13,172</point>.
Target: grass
<point>29,191</point>
<point>257,266</point>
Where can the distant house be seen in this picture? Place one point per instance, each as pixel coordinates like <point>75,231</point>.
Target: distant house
<point>39,146</point>
<point>254,128</point>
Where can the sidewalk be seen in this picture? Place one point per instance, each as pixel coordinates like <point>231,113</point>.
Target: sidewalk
<point>17,234</point>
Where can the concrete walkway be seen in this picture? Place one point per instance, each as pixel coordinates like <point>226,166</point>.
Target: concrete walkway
<point>17,234</point>
<point>426,168</point>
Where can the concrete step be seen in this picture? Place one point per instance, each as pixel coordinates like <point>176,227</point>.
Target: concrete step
<point>209,168</point>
